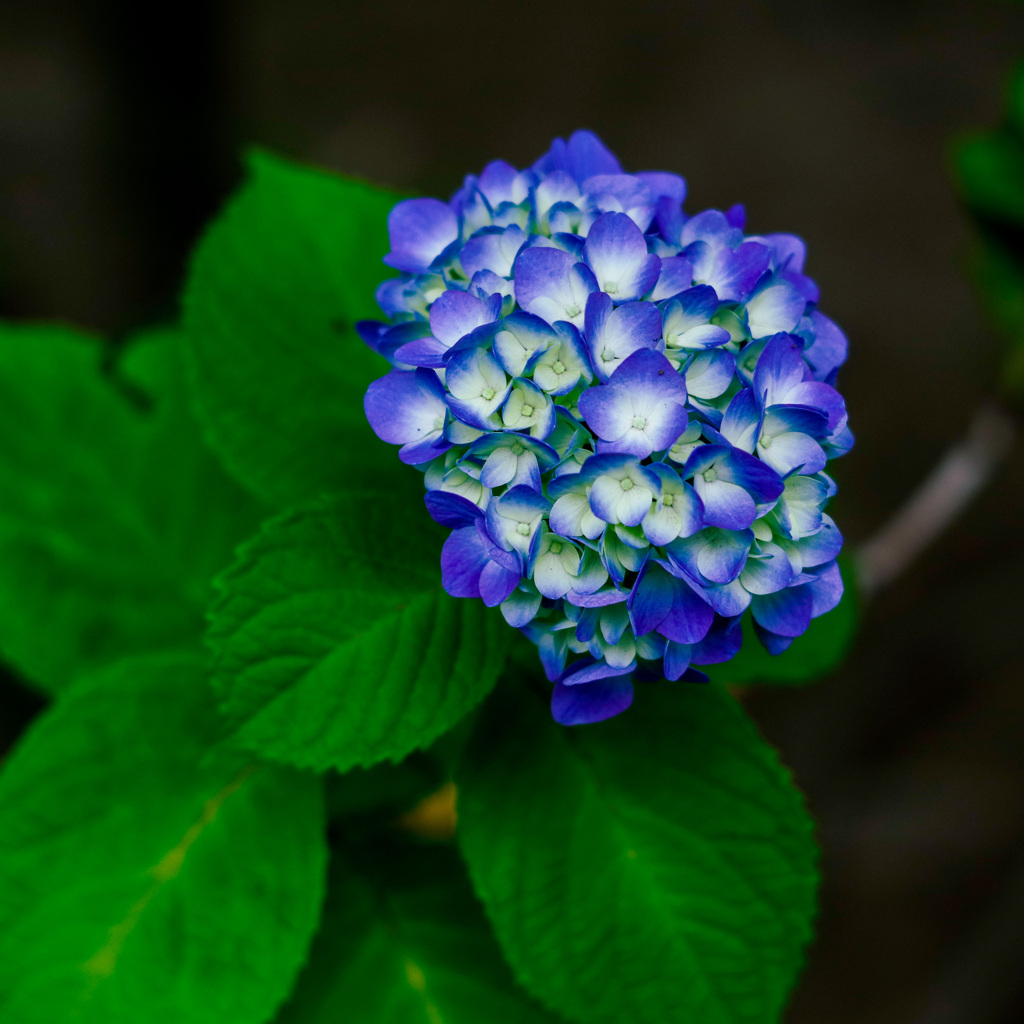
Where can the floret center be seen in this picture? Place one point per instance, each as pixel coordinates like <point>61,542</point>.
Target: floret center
<point>626,484</point>
<point>487,394</point>
<point>558,366</point>
<point>523,529</point>
<point>710,475</point>
<point>639,422</point>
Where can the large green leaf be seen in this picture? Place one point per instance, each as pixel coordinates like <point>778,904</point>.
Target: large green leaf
<point>404,941</point>
<point>112,519</point>
<point>821,650</point>
<point>275,287</point>
<point>655,868</point>
<point>146,874</point>
<point>334,644</point>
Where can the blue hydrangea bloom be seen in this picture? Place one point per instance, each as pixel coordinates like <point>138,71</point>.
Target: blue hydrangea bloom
<point>622,413</point>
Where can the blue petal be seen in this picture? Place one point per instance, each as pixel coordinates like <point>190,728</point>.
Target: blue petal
<point>710,226</point>
<point>725,504</point>
<point>497,584</point>
<point>664,185</point>
<point>677,659</point>
<point>500,467</point>
<point>736,215</point>
<point>589,670</point>
<point>742,421</point>
<point>404,405</point>
<point>650,599</point>
<point>548,284</point>
<point>415,453</point>
<point>710,374</point>
<point>690,617</point>
<point>780,367</point>
<point>823,397</point>
<point>722,643</point>
<point>786,612</point>
<point>822,546</point>
<point>600,599</point>
<point>676,275</point>
<point>520,608</point>
<point>826,590</point>
<point>455,314</point>
<point>774,309</point>
<point>772,642</point>
<point>791,452</point>
<point>583,156</point>
<point>420,230</point>
<point>620,193</point>
<point>829,348</point>
<point>722,554</point>
<point>492,249</point>
<point>451,510</point>
<point>651,373</point>
<point>462,561</point>
<point>616,251</point>
<point>423,352</point>
<point>584,705</point>
<point>521,338</point>
<point>759,480</point>
<point>766,575</point>
<point>736,271</point>
<point>728,598</point>
<point>614,333</point>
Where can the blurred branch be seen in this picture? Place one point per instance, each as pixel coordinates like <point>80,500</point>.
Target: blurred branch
<point>951,487</point>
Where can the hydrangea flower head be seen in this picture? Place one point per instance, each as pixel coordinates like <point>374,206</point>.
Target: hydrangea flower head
<point>622,413</point>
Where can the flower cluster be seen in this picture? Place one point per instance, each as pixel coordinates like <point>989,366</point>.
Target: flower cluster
<point>623,414</point>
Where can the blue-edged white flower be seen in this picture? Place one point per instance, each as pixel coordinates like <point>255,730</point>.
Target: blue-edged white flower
<point>623,415</point>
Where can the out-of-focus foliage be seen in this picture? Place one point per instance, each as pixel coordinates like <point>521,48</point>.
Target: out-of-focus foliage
<point>989,170</point>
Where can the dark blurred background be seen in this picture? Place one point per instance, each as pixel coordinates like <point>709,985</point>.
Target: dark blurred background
<point>120,126</point>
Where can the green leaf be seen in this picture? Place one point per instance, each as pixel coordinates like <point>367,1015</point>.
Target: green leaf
<point>334,644</point>
<point>112,520</point>
<point>404,941</point>
<point>990,169</point>
<point>655,868</point>
<point>997,273</point>
<point>274,289</point>
<point>146,874</point>
<point>822,649</point>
